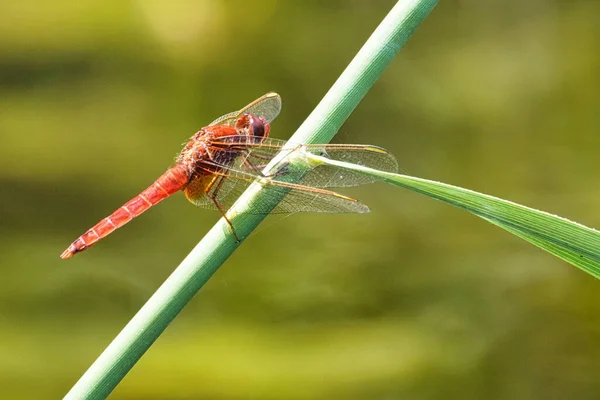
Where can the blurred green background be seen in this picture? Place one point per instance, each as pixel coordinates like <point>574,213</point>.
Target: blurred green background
<point>415,300</point>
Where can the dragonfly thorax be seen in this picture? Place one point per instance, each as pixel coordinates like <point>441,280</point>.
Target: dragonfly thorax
<point>194,149</point>
<point>218,145</point>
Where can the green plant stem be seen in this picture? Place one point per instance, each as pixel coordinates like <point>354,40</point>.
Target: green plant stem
<point>218,244</point>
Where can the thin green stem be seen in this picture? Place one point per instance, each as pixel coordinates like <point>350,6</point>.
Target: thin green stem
<point>218,244</point>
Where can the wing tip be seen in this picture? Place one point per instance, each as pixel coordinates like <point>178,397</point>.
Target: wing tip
<point>362,208</point>
<point>393,162</point>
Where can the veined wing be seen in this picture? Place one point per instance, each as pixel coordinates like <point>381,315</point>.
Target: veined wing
<point>257,155</point>
<point>267,106</point>
<point>231,182</point>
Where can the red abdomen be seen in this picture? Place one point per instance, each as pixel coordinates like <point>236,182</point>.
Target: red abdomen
<point>168,183</point>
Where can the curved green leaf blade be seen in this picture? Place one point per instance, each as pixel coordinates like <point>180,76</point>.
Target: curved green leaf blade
<point>575,243</point>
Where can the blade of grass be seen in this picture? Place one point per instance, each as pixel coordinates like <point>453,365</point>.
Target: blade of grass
<point>575,243</point>
<point>322,124</point>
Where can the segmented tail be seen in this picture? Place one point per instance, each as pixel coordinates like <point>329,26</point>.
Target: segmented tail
<point>168,183</point>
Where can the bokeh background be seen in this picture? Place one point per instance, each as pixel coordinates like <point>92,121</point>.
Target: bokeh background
<point>415,300</point>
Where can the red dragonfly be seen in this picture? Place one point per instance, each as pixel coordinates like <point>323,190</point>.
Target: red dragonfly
<point>222,159</point>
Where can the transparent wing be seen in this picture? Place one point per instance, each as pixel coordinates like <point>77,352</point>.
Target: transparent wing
<point>323,176</point>
<point>232,181</point>
<point>267,106</point>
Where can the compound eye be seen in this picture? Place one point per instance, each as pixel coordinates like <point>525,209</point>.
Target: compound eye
<point>257,125</point>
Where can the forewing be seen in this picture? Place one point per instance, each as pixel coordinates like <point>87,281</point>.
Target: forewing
<point>267,106</point>
<point>322,176</point>
<point>227,119</point>
<point>330,176</point>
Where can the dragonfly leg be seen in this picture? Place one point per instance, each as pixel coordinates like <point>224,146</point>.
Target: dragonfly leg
<point>212,194</point>
<point>258,168</point>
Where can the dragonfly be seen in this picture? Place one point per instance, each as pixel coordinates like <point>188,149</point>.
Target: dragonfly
<point>222,159</point>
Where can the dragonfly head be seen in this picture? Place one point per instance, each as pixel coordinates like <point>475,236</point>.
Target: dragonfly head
<point>253,127</point>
